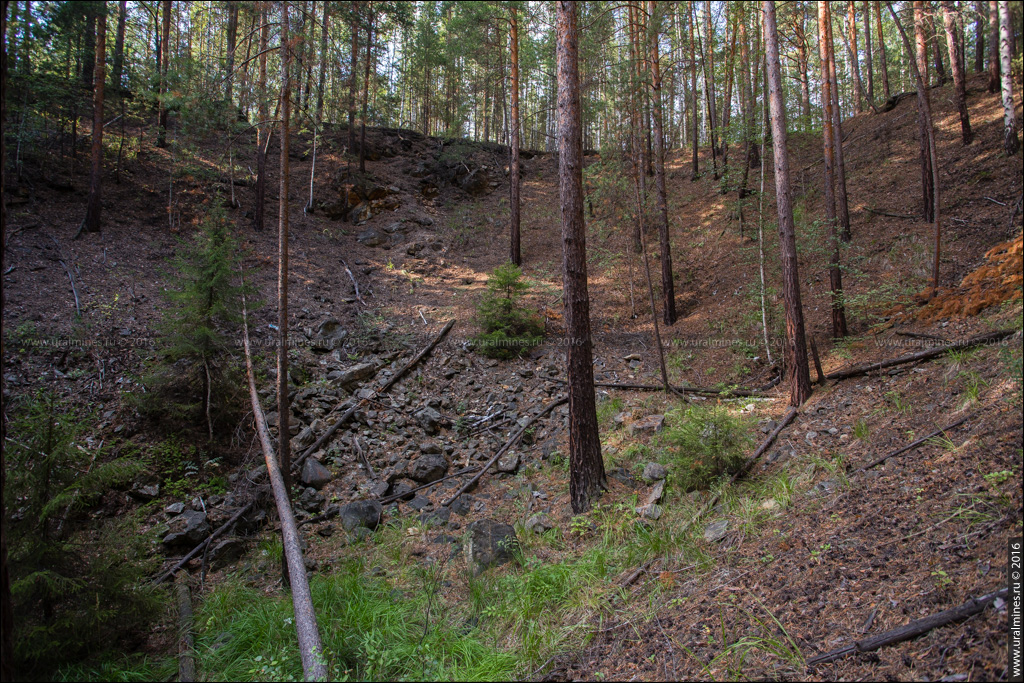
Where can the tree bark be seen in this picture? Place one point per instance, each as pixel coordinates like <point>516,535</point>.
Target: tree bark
<point>940,67</point>
<point>868,57</point>
<point>1011,143</point>
<point>884,65</point>
<point>802,60</point>
<point>830,142</point>
<point>263,125</point>
<point>981,8</point>
<point>515,256</point>
<point>956,54</point>
<point>118,66</point>
<point>921,61</point>
<point>668,296</point>
<point>366,92</point>
<point>708,52</point>
<point>94,205</point>
<point>797,373</point>
<point>586,468</point>
<point>993,47</point>
<point>323,63</point>
<point>283,410</point>
<point>165,50</point>
<point>6,606</point>
<point>842,202</point>
<point>232,31</point>
<point>354,29</point>
<point>851,19</point>
<point>695,169</point>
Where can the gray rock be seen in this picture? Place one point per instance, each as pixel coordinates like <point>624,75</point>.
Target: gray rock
<point>826,486</point>
<point>649,511</point>
<point>314,474</point>
<point>490,544</point>
<point>174,509</point>
<point>477,183</point>
<point>311,500</point>
<point>539,523</point>
<point>304,439</point>
<point>715,531</point>
<point>188,528</point>
<point>430,448</point>
<point>419,503</point>
<point>657,491</point>
<point>462,505</point>
<point>329,335</point>
<point>144,494</point>
<point>401,489</point>
<point>508,463</point>
<point>438,517</point>
<point>654,472</point>
<point>226,551</point>
<point>428,467</point>
<point>651,423</point>
<point>429,419</point>
<point>361,513</point>
<point>351,375</point>
<point>371,237</point>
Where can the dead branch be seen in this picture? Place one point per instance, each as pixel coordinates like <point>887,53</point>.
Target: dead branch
<point>912,446</point>
<point>393,498</point>
<point>980,340</point>
<point>911,630</point>
<point>311,650</point>
<point>879,212</point>
<point>355,284</point>
<point>202,546</point>
<point>508,444</point>
<point>71,275</point>
<point>186,661</point>
<point>678,389</point>
<point>355,406</point>
<point>362,456</point>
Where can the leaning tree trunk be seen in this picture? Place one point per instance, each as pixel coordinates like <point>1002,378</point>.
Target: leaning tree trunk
<point>668,295</point>
<point>94,205</point>
<point>956,54</point>
<point>515,254</point>
<point>830,142</point>
<point>797,372</point>
<point>283,409</point>
<point>586,469</point>
<point>1011,143</point>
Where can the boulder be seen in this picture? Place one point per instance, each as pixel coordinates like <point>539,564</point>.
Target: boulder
<point>476,183</point>
<point>226,551</point>
<point>490,544</point>
<point>651,423</point>
<point>429,419</point>
<point>462,505</point>
<point>508,463</point>
<point>371,237</point>
<point>311,500</point>
<point>362,513</point>
<point>329,335</point>
<point>539,523</point>
<point>188,528</point>
<point>314,474</point>
<point>654,472</point>
<point>428,467</point>
<point>351,375</point>
<point>144,494</point>
<point>401,489</point>
<point>649,511</point>
<point>657,491</point>
<point>715,531</point>
<point>438,517</point>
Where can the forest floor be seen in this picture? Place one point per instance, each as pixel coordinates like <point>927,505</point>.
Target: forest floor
<point>813,553</point>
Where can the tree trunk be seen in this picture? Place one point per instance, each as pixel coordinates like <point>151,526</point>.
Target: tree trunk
<point>366,93</point>
<point>89,51</point>
<point>118,66</point>
<point>513,170</point>
<point>94,205</point>
<point>586,469</point>
<point>263,126</point>
<point>1011,143</point>
<point>283,411</point>
<point>727,103</point>
<point>831,141</point>
<point>802,58</point>
<point>232,31</point>
<point>883,65</point>
<point>851,19</point>
<point>921,60</point>
<point>981,8</point>
<point>842,202</point>
<point>940,67</point>
<point>668,295</point>
<point>925,112</point>
<point>993,47</point>
<point>956,54</point>
<point>323,64</point>
<point>695,170</point>
<point>352,78</point>
<point>868,57</point>
<point>709,85</point>
<point>165,49</point>
<point>797,373</point>
<point>746,107</point>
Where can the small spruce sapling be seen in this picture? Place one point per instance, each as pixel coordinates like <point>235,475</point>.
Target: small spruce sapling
<point>508,328</point>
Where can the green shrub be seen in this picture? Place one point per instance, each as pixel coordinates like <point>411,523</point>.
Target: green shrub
<point>705,443</point>
<point>508,329</point>
<point>194,375</point>
<point>77,587</point>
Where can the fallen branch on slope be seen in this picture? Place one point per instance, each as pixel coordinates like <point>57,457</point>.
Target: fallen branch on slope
<point>202,546</point>
<point>911,630</point>
<point>912,446</point>
<point>681,389</point>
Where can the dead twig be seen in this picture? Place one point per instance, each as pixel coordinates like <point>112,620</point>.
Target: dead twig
<point>915,444</point>
<point>355,284</point>
<point>202,546</point>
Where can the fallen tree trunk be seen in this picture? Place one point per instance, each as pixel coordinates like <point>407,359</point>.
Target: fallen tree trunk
<point>681,389</point>
<point>980,340</point>
<point>911,630</point>
<point>355,406</point>
<point>314,666</point>
<point>199,548</point>
<point>912,446</point>
<point>508,444</point>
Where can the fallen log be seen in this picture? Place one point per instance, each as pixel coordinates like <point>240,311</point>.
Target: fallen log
<point>681,389</point>
<point>202,546</point>
<point>508,444</point>
<point>186,660</point>
<point>355,406</point>
<point>311,651</point>
<point>911,630</point>
<point>980,340</point>
<point>912,446</point>
<point>393,498</point>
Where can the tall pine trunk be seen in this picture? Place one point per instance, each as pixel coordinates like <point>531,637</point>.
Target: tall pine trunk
<point>956,54</point>
<point>921,60</point>
<point>513,170</point>
<point>883,62</point>
<point>232,37</point>
<point>868,57</point>
<point>118,66</point>
<point>797,373</point>
<point>981,9</point>
<point>695,170</point>
<point>94,205</point>
<point>165,48</point>
<point>993,47</point>
<point>284,457</point>
<point>325,19</point>
<point>851,28</point>
<point>354,29</point>
<point>842,202</point>
<point>586,469</point>
<point>263,126</point>
<point>668,295</point>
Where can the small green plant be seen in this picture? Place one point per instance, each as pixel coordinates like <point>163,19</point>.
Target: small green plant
<point>898,403</point>
<point>942,578</point>
<point>861,431</point>
<point>508,329</point>
<point>705,444</point>
<point>998,478</point>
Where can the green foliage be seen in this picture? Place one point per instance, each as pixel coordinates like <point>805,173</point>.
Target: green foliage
<point>75,593</point>
<point>194,372</point>
<point>508,328</point>
<point>705,443</point>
